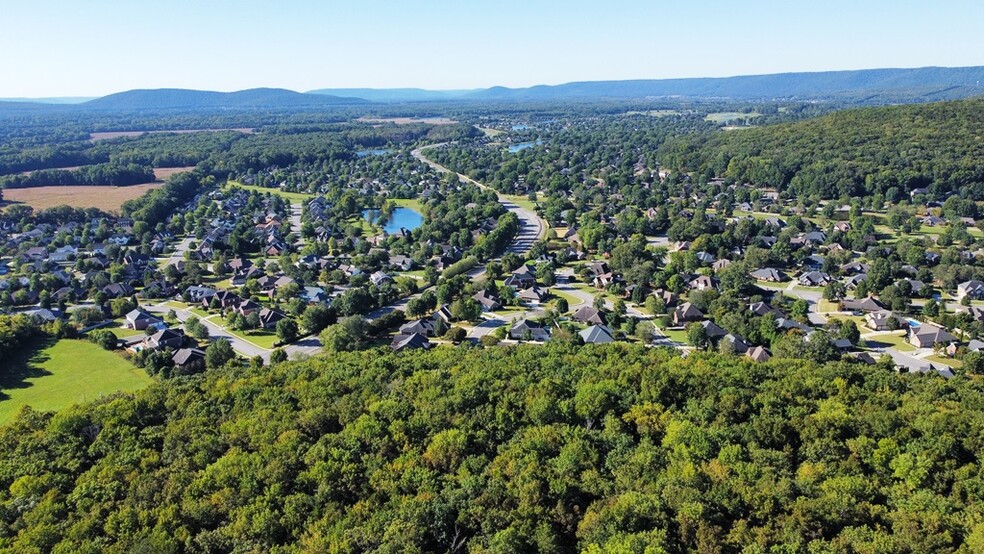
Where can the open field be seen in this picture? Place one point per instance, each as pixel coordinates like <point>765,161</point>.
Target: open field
<point>84,196</point>
<point>408,120</point>
<point>289,196</point>
<point>55,375</point>
<point>723,117</point>
<point>117,134</point>
<point>162,173</point>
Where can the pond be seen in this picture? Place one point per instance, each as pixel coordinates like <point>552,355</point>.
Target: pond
<point>374,152</point>
<point>401,218</point>
<point>523,146</point>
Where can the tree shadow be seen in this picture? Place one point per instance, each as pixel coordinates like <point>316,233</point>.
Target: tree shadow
<point>25,364</point>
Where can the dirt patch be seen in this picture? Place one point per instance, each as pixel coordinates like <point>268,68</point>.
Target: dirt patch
<point>408,120</point>
<point>117,134</point>
<point>108,199</point>
<point>162,173</point>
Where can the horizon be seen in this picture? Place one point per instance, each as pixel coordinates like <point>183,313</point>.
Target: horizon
<point>74,98</point>
<point>91,51</point>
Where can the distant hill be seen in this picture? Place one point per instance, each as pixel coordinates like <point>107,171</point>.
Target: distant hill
<point>395,94</point>
<point>200,99</point>
<point>920,84</point>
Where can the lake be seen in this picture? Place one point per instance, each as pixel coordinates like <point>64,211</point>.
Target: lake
<point>523,146</point>
<point>400,219</point>
<point>374,152</point>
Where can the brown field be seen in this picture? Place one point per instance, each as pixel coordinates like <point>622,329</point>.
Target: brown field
<point>117,134</point>
<point>108,199</point>
<point>162,173</point>
<point>408,120</point>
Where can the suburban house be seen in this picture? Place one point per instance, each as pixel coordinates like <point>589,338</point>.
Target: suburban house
<point>189,358</point>
<point>686,313</point>
<point>928,336</point>
<point>588,315</point>
<point>529,330</point>
<point>973,288</point>
<point>139,320</point>
<point>759,354</point>
<point>884,320</point>
<point>769,274</point>
<point>420,327</point>
<point>814,279</point>
<point>596,334</point>
<point>489,302</point>
<point>414,341</point>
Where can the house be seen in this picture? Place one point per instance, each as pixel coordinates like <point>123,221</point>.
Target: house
<point>884,320</point>
<point>769,274</point>
<point>973,288</point>
<point>521,278</point>
<point>533,295</point>
<point>529,330</point>
<point>414,341</point>
<point>721,264</point>
<point>422,326</point>
<point>165,338</point>
<point>588,315</point>
<point>761,309</point>
<point>117,290</point>
<point>269,318</point>
<point>713,330</point>
<point>197,293</point>
<point>596,334</point>
<point>489,302</point>
<point>738,344</point>
<point>759,354</point>
<point>189,359</point>
<point>814,279</point>
<point>866,305</point>
<point>686,313</point>
<point>139,320</point>
<point>401,263</point>
<point>927,336</point>
<point>378,278</point>
<point>703,282</point>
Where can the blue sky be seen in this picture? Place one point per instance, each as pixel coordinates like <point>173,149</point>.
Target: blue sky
<point>95,47</point>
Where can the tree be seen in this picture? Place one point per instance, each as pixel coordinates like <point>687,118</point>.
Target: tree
<point>196,328</point>
<point>834,291</point>
<point>278,355</point>
<point>103,338</point>
<point>467,309</point>
<point>456,334</point>
<point>562,305</point>
<point>697,336</point>
<point>316,318</point>
<point>347,335</point>
<point>218,354</point>
<point>287,330</point>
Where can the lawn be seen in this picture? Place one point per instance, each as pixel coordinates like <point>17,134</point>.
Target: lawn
<point>889,339</point>
<point>679,336</point>
<point>122,331</point>
<point>521,201</point>
<point>572,301</point>
<point>414,204</point>
<point>260,337</point>
<point>54,375</point>
<point>290,196</point>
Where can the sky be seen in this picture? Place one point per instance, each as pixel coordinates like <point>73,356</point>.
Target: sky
<point>57,48</point>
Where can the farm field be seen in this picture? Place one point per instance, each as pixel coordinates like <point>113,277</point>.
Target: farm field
<point>117,134</point>
<point>55,375</point>
<point>105,198</point>
<point>289,196</point>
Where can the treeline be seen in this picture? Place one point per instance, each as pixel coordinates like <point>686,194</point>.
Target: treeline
<point>111,174</point>
<point>159,205</point>
<point>559,448</point>
<point>15,332</point>
<point>888,151</point>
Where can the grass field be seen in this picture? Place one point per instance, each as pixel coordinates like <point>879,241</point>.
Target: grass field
<point>104,198</point>
<point>55,375</point>
<point>290,196</point>
<point>413,204</point>
<point>723,117</point>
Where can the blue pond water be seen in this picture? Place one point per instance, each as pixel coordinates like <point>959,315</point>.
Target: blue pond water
<point>401,218</point>
<point>373,152</point>
<point>523,146</point>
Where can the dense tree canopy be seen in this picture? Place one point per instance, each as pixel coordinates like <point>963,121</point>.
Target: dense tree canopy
<point>556,448</point>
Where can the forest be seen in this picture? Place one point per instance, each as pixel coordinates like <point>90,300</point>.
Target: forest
<point>556,448</point>
<point>889,151</point>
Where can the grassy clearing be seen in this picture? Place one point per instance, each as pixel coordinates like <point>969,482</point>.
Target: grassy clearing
<point>521,201</point>
<point>412,203</point>
<point>896,339</point>
<point>54,375</point>
<point>259,337</point>
<point>679,336</point>
<point>724,117</point>
<point>944,361</point>
<point>572,301</point>
<point>290,196</point>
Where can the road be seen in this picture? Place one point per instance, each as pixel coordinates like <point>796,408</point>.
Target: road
<point>531,226</point>
<point>295,223</point>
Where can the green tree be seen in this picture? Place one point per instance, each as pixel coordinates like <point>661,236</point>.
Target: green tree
<point>218,354</point>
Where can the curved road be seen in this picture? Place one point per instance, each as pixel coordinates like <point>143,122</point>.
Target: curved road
<point>531,227</point>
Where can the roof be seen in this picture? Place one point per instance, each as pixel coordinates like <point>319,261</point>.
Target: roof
<point>596,334</point>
